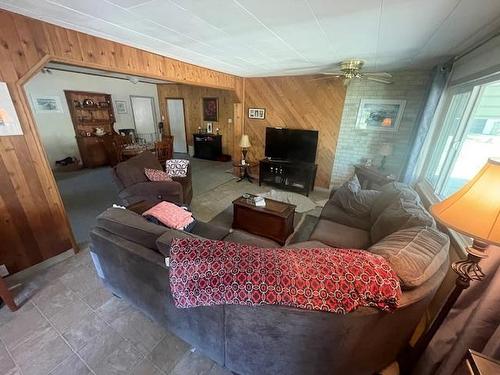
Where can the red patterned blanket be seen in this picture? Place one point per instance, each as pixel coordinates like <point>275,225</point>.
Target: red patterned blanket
<point>206,272</point>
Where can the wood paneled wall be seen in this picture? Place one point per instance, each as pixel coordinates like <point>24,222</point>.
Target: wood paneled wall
<point>296,102</point>
<point>193,110</point>
<point>33,223</point>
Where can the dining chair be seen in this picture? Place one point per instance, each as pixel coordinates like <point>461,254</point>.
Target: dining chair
<point>164,150</point>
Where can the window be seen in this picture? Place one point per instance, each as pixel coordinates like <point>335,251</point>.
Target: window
<point>469,135</point>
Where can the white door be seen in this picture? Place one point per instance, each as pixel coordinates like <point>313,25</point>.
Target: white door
<point>175,110</point>
<point>143,110</point>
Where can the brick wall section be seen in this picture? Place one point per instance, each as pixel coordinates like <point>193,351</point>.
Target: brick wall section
<point>355,144</point>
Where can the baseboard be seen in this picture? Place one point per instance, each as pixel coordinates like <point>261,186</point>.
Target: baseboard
<point>28,272</point>
<point>322,189</point>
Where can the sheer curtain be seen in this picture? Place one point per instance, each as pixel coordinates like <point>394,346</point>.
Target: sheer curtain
<point>473,323</point>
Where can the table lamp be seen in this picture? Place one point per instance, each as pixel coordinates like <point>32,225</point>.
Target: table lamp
<point>385,150</point>
<point>474,211</point>
<point>245,145</point>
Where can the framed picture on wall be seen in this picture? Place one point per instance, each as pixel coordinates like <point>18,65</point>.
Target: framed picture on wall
<point>9,122</point>
<point>257,113</point>
<point>380,114</point>
<point>47,104</point>
<point>210,109</point>
<point>121,107</point>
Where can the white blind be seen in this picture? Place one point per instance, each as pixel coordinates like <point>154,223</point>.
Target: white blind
<point>480,63</point>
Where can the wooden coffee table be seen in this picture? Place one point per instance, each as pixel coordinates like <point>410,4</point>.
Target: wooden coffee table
<point>274,221</point>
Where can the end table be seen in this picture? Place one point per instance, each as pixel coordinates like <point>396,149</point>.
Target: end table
<point>244,169</point>
<point>7,296</point>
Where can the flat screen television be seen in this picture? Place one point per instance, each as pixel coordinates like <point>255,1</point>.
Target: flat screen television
<point>291,144</point>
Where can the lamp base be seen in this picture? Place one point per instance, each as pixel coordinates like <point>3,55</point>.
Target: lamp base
<point>382,163</point>
<point>244,153</point>
<point>467,270</point>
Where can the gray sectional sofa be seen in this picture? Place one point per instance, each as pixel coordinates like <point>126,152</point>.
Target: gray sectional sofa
<point>129,254</point>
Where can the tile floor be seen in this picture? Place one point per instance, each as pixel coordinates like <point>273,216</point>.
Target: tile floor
<point>69,324</point>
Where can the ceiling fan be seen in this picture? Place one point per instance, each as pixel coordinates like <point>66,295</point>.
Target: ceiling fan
<point>351,69</point>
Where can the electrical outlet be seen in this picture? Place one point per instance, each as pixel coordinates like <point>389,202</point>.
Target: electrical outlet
<point>3,270</point>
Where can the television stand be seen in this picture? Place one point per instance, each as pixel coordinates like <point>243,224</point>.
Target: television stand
<point>288,175</point>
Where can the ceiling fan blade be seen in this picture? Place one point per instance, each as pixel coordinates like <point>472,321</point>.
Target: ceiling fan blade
<point>378,74</point>
<point>323,77</point>
<point>338,74</point>
<point>377,79</point>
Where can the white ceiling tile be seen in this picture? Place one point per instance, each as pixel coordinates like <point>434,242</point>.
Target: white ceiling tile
<point>272,37</point>
<point>129,3</point>
<point>170,17</point>
<point>466,25</point>
<point>407,26</point>
<point>294,22</point>
<point>351,25</point>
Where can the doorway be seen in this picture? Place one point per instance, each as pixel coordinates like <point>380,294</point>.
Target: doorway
<point>144,114</point>
<point>176,119</point>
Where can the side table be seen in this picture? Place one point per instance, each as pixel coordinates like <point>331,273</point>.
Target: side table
<point>479,364</point>
<point>244,168</point>
<point>7,296</point>
<point>371,177</point>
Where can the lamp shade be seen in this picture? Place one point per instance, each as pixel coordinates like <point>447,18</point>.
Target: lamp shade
<point>474,210</point>
<point>245,141</point>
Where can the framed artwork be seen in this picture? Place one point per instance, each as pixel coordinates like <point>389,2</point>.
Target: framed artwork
<point>47,104</point>
<point>257,113</point>
<point>210,109</point>
<point>121,107</point>
<point>380,114</point>
<point>9,122</point>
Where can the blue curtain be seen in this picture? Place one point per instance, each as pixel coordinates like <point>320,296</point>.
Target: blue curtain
<point>440,74</point>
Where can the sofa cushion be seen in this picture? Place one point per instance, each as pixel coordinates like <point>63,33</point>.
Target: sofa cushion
<point>246,238</point>
<point>210,231</point>
<point>400,214</point>
<point>388,194</point>
<point>131,172</point>
<point>131,226</point>
<point>338,235</point>
<point>416,253</point>
<point>335,213</point>
<point>353,199</point>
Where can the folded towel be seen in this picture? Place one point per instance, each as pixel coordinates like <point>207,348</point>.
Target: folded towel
<point>170,215</point>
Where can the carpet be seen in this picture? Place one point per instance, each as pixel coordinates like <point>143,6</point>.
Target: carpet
<point>302,203</point>
<point>304,230</point>
<point>85,194</point>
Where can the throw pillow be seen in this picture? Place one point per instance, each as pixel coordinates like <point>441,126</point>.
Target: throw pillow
<point>177,167</point>
<point>156,175</point>
<point>353,199</point>
<point>388,194</point>
<point>398,215</point>
<point>416,254</point>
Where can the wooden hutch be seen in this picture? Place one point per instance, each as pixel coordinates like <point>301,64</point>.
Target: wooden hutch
<point>91,111</point>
